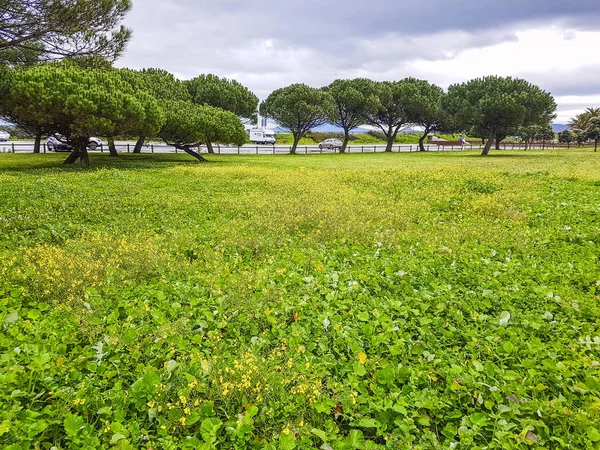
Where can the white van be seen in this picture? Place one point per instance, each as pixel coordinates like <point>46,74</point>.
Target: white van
<point>258,136</point>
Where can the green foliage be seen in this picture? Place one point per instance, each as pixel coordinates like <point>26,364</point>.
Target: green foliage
<point>566,136</point>
<point>37,30</point>
<point>299,108</point>
<point>354,100</point>
<point>269,302</point>
<point>582,121</point>
<point>394,100</point>
<point>496,106</point>
<point>228,95</point>
<point>592,132</point>
<point>79,103</point>
<point>424,107</point>
<point>188,124</point>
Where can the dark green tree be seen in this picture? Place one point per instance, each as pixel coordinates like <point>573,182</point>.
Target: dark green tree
<point>497,105</point>
<point>228,95</point>
<point>161,85</point>
<point>299,108</point>
<point>423,107</point>
<point>566,137</point>
<point>391,114</point>
<point>354,100</point>
<point>43,30</point>
<point>545,134</point>
<point>78,103</point>
<point>188,125</point>
<point>592,132</point>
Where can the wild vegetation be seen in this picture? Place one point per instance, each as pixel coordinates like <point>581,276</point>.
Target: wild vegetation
<point>359,302</point>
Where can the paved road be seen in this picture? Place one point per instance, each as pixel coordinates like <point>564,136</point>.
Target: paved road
<point>249,149</point>
<point>155,147</point>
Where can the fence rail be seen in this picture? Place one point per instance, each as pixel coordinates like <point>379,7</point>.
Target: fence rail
<point>17,147</point>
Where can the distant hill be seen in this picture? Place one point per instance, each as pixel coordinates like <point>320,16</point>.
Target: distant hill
<point>558,127</point>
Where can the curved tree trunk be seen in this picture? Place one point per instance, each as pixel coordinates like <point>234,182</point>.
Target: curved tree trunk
<point>79,153</point>
<point>189,151</point>
<point>139,144</point>
<point>111,147</point>
<point>209,147</point>
<point>345,143</point>
<point>488,146</point>
<point>295,145</point>
<point>422,142</point>
<point>38,142</point>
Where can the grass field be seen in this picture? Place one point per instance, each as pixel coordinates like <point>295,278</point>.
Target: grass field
<point>405,301</point>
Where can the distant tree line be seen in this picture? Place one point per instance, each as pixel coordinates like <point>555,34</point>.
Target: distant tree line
<point>491,108</point>
<point>83,95</point>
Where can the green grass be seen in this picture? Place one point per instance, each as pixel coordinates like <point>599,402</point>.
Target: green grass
<point>407,301</point>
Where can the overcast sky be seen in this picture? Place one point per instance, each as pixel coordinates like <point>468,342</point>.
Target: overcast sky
<point>269,44</point>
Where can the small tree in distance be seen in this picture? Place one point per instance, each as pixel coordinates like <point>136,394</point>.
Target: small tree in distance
<point>566,137</point>
<point>391,114</point>
<point>497,105</point>
<point>354,100</point>
<point>299,108</point>
<point>188,125</point>
<point>228,95</point>
<point>593,132</point>
<point>424,108</point>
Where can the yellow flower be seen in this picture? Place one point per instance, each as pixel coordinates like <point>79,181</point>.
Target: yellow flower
<point>182,421</point>
<point>150,404</point>
<point>362,357</point>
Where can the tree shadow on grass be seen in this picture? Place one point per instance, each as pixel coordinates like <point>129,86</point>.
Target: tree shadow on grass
<point>23,163</point>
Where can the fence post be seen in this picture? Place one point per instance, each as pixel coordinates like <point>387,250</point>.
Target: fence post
<point>175,149</point>
<point>273,149</point>
<point>306,150</point>
<point>44,147</point>
<point>13,147</point>
<point>362,148</point>
<point>127,148</point>
<point>152,147</point>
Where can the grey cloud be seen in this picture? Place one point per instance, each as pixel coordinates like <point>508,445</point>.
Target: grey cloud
<point>271,43</point>
<point>584,81</point>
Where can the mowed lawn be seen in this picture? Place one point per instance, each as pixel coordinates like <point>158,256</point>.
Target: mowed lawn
<point>405,301</point>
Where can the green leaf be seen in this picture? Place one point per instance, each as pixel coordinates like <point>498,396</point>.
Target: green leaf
<point>355,440</point>
<point>209,428</point>
<point>319,433</point>
<point>287,441</point>
<point>73,424</point>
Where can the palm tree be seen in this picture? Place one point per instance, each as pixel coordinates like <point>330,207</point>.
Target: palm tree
<point>582,121</point>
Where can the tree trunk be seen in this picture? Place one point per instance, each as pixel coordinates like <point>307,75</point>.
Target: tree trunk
<point>79,153</point>
<point>209,147</point>
<point>596,145</point>
<point>422,140</point>
<point>488,145</point>
<point>38,142</point>
<point>345,143</point>
<point>139,144</point>
<point>498,140</point>
<point>189,151</point>
<point>390,139</point>
<point>111,147</point>
<point>295,145</point>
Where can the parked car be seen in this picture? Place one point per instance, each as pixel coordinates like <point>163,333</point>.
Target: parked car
<point>4,136</point>
<point>56,144</point>
<point>331,144</point>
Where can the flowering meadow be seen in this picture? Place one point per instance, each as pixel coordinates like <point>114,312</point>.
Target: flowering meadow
<point>401,301</point>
